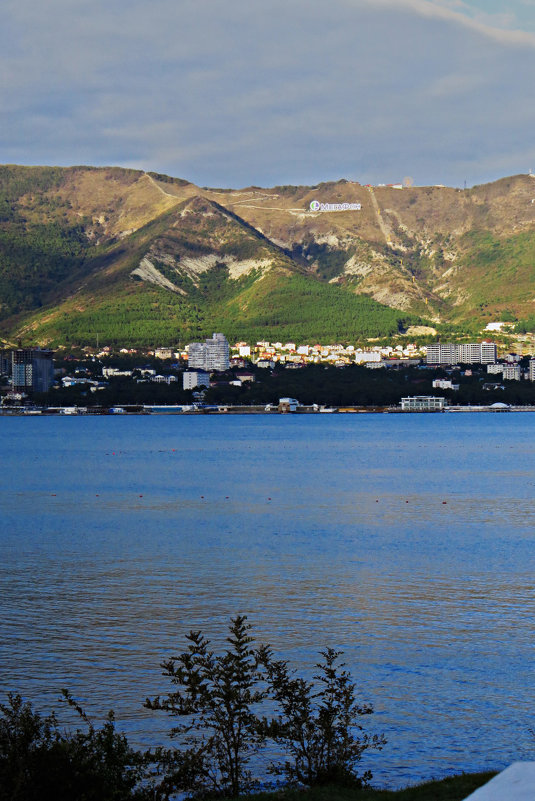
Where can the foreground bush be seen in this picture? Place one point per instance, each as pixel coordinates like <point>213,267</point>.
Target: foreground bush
<point>40,761</point>
<point>221,703</point>
<point>220,700</point>
<point>318,724</point>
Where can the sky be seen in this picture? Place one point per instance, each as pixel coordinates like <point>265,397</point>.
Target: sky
<point>269,92</point>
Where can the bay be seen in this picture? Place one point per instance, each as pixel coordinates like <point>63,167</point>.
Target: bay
<point>404,540</point>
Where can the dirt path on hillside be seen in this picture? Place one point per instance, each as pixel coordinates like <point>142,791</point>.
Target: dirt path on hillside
<point>160,188</point>
<point>385,229</point>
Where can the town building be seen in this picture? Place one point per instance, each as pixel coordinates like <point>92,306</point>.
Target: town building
<point>445,383</point>
<point>288,405</point>
<point>212,354</point>
<point>32,370</point>
<point>423,403</point>
<point>442,354</point>
<point>164,353</point>
<point>363,356</point>
<point>192,379</point>
<point>468,353</point>
<point>531,373</point>
<point>494,369</point>
<point>512,372</point>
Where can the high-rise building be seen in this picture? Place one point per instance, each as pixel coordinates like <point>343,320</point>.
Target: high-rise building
<point>470,353</point>
<point>212,354</point>
<point>489,352</point>
<point>31,370</point>
<point>442,354</point>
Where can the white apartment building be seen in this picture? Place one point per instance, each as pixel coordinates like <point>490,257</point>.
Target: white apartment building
<point>512,372</point>
<point>532,369</point>
<point>195,378</point>
<point>470,353</point>
<point>439,353</point>
<point>361,357</point>
<point>445,383</point>
<point>212,354</point>
<point>494,369</point>
<point>489,352</point>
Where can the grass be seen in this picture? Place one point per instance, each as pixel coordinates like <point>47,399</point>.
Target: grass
<point>454,788</point>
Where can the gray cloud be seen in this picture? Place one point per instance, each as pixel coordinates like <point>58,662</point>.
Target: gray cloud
<point>233,93</point>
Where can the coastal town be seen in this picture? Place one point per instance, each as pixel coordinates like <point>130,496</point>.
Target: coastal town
<point>215,376</point>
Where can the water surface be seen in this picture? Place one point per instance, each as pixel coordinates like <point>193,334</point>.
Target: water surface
<point>406,541</point>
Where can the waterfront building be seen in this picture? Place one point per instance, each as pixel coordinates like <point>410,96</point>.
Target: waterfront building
<point>212,354</point>
<point>532,369</point>
<point>423,403</point>
<point>32,369</point>
<point>288,405</point>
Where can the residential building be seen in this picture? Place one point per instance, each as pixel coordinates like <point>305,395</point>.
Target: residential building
<point>512,372</point>
<point>469,353</point>
<point>5,363</point>
<point>32,369</point>
<point>212,354</point>
<point>192,379</point>
<point>361,357</point>
<point>445,383</point>
<point>114,372</point>
<point>164,353</point>
<point>494,369</point>
<point>532,369</point>
<point>422,403</point>
<point>245,376</point>
<point>489,352</point>
<point>439,353</point>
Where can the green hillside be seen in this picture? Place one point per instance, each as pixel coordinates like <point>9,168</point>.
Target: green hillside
<point>248,309</point>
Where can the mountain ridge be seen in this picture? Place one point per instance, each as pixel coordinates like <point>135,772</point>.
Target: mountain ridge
<point>108,245</point>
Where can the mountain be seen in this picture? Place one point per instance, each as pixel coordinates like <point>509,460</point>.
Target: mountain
<point>143,258</point>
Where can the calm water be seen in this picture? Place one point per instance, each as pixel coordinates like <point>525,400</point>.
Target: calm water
<point>121,534</point>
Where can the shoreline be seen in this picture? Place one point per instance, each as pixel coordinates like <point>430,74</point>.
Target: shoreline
<point>74,411</point>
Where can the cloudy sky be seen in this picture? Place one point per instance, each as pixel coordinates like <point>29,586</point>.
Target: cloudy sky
<point>240,92</point>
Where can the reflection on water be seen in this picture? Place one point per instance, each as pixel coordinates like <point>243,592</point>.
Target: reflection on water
<point>405,541</point>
